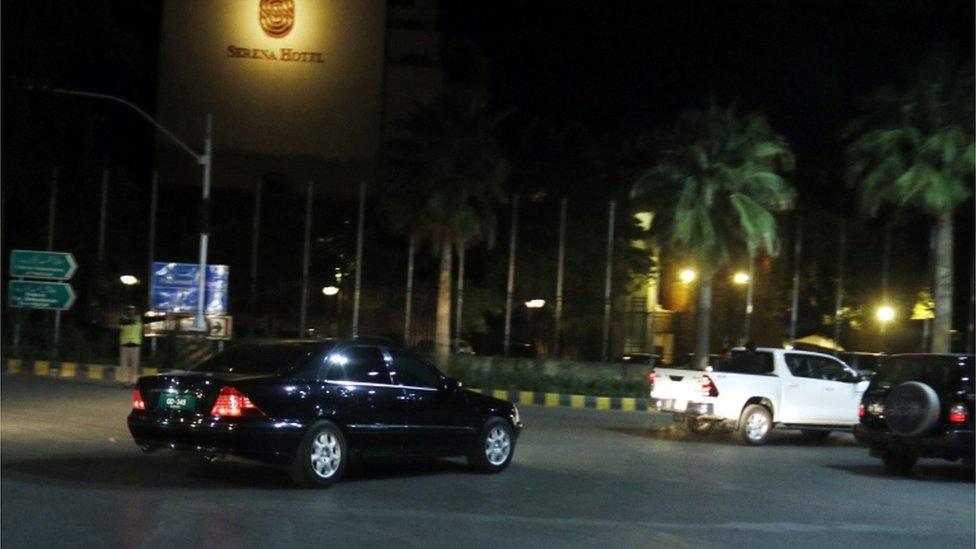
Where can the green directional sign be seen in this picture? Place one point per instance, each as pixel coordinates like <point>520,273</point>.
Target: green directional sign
<point>27,294</point>
<point>37,264</point>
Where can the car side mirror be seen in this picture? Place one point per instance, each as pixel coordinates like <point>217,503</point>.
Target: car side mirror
<point>451,384</point>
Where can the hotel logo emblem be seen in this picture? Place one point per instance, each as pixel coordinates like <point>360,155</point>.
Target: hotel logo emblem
<point>277,17</point>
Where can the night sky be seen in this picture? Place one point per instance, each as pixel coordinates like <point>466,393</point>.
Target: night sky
<point>612,64</point>
<point>626,66</point>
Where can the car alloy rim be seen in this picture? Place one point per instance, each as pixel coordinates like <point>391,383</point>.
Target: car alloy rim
<point>326,455</point>
<point>756,426</point>
<point>497,446</point>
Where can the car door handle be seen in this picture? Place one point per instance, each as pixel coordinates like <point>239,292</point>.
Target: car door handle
<point>828,388</point>
<point>793,385</point>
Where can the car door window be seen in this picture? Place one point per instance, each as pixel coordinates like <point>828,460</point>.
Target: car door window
<point>801,366</point>
<point>410,370</point>
<point>831,370</point>
<point>358,364</point>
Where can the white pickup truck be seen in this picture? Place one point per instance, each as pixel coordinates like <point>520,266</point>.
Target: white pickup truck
<point>753,391</point>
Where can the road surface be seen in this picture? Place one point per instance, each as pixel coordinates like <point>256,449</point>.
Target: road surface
<point>71,477</point>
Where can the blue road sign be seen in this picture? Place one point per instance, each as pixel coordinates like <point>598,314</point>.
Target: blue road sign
<point>175,288</point>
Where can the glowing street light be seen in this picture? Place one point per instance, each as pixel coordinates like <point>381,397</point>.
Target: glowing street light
<point>687,276</point>
<point>330,290</point>
<point>885,314</point>
<point>128,280</point>
<point>535,303</point>
<point>741,278</point>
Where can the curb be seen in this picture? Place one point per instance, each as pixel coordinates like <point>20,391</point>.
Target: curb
<point>109,372</point>
<point>559,400</point>
<point>68,370</point>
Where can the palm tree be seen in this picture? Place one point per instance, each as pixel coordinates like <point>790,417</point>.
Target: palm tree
<point>445,174</point>
<point>715,184</point>
<point>915,148</point>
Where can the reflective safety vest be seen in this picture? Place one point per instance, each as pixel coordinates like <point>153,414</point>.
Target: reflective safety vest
<point>131,334</point>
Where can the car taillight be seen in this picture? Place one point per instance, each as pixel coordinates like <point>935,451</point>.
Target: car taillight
<point>958,414</point>
<point>875,409</point>
<point>137,402</point>
<point>650,378</point>
<point>233,403</point>
<point>860,410</point>
<point>708,387</point>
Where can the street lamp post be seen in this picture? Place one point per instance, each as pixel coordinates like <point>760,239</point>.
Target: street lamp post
<point>128,281</point>
<point>200,322</point>
<point>884,314</point>
<point>330,292</point>
<point>532,305</point>
<point>743,278</point>
<point>205,160</point>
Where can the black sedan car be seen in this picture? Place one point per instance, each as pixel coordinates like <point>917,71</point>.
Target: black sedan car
<point>310,405</point>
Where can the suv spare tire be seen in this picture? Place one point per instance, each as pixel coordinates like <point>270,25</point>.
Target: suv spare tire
<point>912,409</point>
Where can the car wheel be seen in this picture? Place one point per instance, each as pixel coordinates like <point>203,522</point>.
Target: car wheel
<point>814,434</point>
<point>898,464</point>
<point>754,425</point>
<point>321,457</point>
<point>700,426</point>
<point>494,447</point>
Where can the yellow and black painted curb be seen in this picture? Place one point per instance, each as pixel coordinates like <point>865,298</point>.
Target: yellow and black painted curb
<point>68,370</point>
<point>109,373</point>
<point>627,404</point>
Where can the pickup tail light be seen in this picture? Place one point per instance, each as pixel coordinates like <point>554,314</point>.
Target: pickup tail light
<point>137,402</point>
<point>958,414</point>
<point>233,403</point>
<point>651,378</point>
<point>708,387</point>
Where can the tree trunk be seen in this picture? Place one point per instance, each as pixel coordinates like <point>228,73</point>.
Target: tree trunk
<point>704,316</point>
<point>839,301</point>
<point>442,329</point>
<point>750,289</point>
<point>795,299</point>
<point>510,287</point>
<point>459,300</point>
<point>942,324</point>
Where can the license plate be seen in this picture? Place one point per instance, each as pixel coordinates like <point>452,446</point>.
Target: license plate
<point>680,405</point>
<point>177,402</point>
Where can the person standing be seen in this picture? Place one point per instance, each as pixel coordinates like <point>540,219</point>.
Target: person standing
<point>130,345</point>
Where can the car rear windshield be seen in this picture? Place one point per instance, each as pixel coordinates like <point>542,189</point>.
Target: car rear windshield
<point>257,359</point>
<point>746,362</point>
<point>942,373</point>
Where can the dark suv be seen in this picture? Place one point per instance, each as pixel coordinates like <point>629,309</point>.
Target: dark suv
<point>919,406</point>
